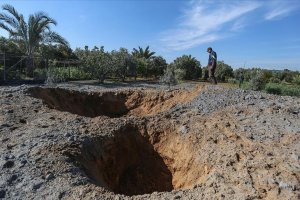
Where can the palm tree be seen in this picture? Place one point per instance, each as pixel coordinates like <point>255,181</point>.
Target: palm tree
<point>29,34</point>
<point>141,53</point>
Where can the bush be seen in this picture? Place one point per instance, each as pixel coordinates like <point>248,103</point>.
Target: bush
<point>223,70</point>
<point>274,88</point>
<point>40,74</point>
<point>257,82</point>
<point>232,80</point>
<point>56,75</point>
<point>274,80</point>
<point>169,77</point>
<point>296,79</point>
<point>189,65</point>
<point>291,91</point>
<point>245,85</point>
<point>79,74</point>
<point>179,74</point>
<point>280,89</point>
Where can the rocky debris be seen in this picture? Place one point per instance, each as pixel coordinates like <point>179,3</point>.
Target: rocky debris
<point>211,142</point>
<point>2,194</point>
<point>9,164</point>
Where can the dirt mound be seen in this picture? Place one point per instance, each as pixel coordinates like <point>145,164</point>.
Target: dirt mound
<point>151,102</point>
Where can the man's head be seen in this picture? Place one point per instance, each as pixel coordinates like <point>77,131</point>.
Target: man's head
<point>209,49</point>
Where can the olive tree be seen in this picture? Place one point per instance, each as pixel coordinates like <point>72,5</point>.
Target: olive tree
<point>190,65</point>
<point>96,61</point>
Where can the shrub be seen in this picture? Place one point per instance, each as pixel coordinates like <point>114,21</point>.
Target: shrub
<point>274,88</point>
<point>190,65</point>
<point>78,74</point>
<point>232,80</point>
<point>296,79</point>
<point>274,80</point>
<point>55,75</point>
<point>40,74</point>
<point>169,77</point>
<point>179,74</point>
<point>223,70</point>
<point>245,85</point>
<point>257,82</point>
<point>280,89</point>
<point>291,91</point>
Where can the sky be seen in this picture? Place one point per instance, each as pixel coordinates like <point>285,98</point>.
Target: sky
<point>244,33</point>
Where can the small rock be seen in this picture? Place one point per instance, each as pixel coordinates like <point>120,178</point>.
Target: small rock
<point>12,179</point>
<point>5,139</point>
<point>183,129</point>
<point>23,121</point>
<point>231,191</point>
<point>227,124</point>
<point>72,138</point>
<point>2,194</point>
<point>9,146</point>
<point>296,157</point>
<point>37,185</point>
<point>9,157</point>
<point>68,134</point>
<point>248,97</point>
<point>9,164</point>
<point>13,128</point>
<point>4,126</point>
<point>9,95</point>
<point>284,185</point>
<point>23,162</point>
<point>49,176</point>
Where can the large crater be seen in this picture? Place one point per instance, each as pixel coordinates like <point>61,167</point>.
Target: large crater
<point>131,162</point>
<point>85,104</point>
<point>112,104</point>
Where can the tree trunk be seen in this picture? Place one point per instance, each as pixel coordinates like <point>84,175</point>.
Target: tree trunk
<point>30,65</point>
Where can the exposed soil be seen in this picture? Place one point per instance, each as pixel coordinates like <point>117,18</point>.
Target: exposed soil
<point>125,163</point>
<point>112,104</point>
<point>188,142</point>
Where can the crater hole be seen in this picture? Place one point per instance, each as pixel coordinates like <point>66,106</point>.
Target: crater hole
<point>109,104</point>
<point>129,163</point>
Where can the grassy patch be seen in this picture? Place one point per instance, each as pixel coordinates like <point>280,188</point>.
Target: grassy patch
<point>72,73</point>
<point>282,89</point>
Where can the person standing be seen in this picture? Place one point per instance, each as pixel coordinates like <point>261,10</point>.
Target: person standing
<point>241,79</point>
<point>212,64</point>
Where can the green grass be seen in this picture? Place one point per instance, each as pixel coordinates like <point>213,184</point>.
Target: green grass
<point>283,89</point>
<point>72,73</point>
